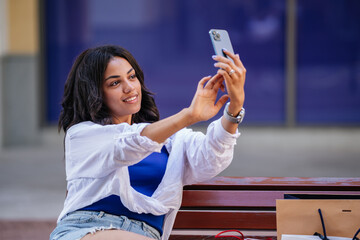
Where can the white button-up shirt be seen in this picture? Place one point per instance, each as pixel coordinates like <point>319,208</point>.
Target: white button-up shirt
<point>97,160</point>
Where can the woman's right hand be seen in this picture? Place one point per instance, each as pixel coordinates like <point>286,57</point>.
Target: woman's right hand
<point>204,105</point>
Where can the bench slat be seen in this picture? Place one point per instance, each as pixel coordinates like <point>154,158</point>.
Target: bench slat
<point>208,198</point>
<point>226,220</point>
<point>280,183</point>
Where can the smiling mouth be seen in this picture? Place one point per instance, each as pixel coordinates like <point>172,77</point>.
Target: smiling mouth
<point>131,99</point>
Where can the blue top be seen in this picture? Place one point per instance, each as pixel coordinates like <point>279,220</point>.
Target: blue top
<point>145,177</point>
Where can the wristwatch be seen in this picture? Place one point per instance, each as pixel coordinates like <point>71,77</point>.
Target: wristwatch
<point>234,119</point>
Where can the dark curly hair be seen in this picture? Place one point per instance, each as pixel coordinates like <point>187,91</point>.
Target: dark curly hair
<point>83,95</point>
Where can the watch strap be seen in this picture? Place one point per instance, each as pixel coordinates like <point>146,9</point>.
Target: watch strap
<point>234,119</point>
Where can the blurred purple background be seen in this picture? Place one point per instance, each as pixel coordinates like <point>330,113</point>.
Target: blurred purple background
<point>169,39</point>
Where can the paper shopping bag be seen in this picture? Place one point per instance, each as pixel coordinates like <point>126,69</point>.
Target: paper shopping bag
<point>307,237</point>
<point>301,217</point>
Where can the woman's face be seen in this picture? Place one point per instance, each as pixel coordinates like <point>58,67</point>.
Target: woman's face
<point>122,90</point>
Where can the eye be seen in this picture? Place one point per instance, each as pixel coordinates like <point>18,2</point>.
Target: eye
<point>133,76</point>
<point>114,83</point>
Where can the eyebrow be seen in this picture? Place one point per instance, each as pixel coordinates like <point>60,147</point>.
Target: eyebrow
<point>117,76</point>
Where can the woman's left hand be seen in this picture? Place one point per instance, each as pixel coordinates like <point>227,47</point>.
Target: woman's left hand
<point>234,74</point>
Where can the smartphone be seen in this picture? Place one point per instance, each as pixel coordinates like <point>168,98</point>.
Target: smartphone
<point>220,39</point>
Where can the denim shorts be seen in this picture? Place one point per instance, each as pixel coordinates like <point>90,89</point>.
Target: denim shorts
<point>76,225</point>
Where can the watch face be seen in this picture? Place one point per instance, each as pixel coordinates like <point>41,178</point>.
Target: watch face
<point>241,115</point>
<point>242,112</point>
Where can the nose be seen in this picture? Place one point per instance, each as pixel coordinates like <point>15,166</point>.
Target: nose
<point>128,86</point>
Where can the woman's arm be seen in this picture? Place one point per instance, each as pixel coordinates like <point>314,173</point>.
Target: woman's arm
<point>204,105</point>
<point>202,108</point>
<point>163,129</point>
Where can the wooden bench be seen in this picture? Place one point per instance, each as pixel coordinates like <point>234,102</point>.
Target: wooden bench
<point>247,204</point>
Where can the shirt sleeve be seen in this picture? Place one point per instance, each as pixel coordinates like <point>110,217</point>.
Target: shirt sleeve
<point>208,155</point>
<point>93,150</point>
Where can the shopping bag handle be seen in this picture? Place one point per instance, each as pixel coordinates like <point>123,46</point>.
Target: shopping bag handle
<point>324,230</point>
<point>355,236</point>
<point>323,227</point>
<point>219,234</point>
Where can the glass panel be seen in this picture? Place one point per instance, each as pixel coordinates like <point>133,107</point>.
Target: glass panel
<point>328,62</point>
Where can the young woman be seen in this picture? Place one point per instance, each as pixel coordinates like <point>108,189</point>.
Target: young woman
<point>125,168</point>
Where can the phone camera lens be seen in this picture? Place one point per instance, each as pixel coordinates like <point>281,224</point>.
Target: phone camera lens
<point>217,36</point>
<point>213,32</point>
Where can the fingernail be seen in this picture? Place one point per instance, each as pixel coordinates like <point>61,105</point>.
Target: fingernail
<point>213,56</point>
<point>214,64</point>
<point>224,49</point>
